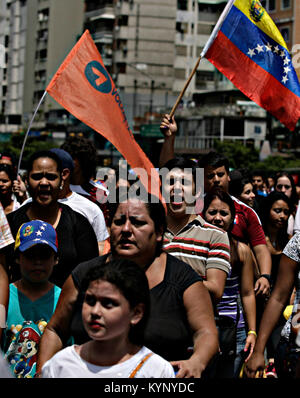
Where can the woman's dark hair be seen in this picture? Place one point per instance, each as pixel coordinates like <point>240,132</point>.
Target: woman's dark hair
<point>132,282</point>
<point>153,205</point>
<point>294,196</point>
<point>268,202</point>
<point>44,154</point>
<point>82,149</point>
<point>264,214</point>
<point>9,170</point>
<point>238,179</point>
<point>218,193</point>
<point>10,156</point>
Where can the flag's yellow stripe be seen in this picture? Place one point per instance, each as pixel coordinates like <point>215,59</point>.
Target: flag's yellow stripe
<point>266,24</point>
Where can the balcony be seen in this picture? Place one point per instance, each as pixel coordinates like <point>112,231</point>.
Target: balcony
<point>196,144</point>
<point>103,12</point>
<point>208,17</point>
<point>105,36</point>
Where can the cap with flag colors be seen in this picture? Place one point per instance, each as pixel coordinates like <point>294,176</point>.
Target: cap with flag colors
<point>250,51</point>
<point>36,232</point>
<point>83,86</point>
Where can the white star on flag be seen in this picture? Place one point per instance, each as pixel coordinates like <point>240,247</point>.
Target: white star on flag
<point>276,49</point>
<point>282,54</point>
<point>251,52</point>
<point>39,233</point>
<point>268,47</point>
<point>284,79</point>
<point>259,48</point>
<point>286,61</point>
<point>287,70</point>
<point>43,228</point>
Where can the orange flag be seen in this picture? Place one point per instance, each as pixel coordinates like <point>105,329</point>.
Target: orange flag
<point>83,86</point>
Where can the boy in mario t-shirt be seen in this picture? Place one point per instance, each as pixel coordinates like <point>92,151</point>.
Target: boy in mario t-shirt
<point>32,299</point>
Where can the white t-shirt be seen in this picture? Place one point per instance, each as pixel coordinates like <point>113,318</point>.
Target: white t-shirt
<point>297,220</point>
<point>91,211</point>
<point>67,363</point>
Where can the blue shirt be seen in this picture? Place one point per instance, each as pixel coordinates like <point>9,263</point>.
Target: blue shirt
<point>26,321</point>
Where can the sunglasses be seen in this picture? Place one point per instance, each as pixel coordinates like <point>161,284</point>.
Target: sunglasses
<point>48,176</point>
<point>280,186</point>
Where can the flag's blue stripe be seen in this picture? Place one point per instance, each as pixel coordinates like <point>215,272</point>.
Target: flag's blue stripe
<point>246,35</point>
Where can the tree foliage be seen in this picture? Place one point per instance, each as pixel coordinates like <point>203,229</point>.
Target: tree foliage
<point>247,157</point>
<point>33,144</point>
<point>239,155</point>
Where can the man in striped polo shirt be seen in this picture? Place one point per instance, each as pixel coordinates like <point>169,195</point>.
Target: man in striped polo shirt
<point>188,237</point>
<point>247,227</point>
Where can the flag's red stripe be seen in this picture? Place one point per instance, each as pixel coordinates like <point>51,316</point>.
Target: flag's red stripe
<point>259,85</point>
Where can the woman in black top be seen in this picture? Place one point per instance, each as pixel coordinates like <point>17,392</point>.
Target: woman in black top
<point>76,238</point>
<point>181,314</point>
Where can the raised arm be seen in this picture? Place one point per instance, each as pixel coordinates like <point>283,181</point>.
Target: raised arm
<point>200,316</point>
<point>58,329</point>
<point>169,129</point>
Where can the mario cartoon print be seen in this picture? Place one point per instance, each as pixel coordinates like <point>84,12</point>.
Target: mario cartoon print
<point>22,354</point>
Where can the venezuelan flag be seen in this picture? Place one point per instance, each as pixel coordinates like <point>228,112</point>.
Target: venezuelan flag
<point>250,51</point>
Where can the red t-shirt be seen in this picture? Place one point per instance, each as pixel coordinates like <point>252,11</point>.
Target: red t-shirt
<point>247,225</point>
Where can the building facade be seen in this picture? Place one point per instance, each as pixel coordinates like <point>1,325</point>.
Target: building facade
<point>149,47</point>
<point>37,35</point>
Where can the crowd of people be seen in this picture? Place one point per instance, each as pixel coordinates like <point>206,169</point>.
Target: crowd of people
<point>203,284</point>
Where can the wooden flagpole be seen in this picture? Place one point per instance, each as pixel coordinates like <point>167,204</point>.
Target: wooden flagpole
<point>185,87</point>
<point>208,44</point>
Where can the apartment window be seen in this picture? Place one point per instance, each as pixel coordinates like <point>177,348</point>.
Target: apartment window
<point>180,74</point>
<point>181,51</point>
<point>41,55</point>
<point>204,76</point>
<point>42,34</point>
<point>14,119</point>
<point>43,15</point>
<point>182,5</point>
<point>202,79</point>
<point>37,95</point>
<point>92,5</point>
<point>269,5</point>
<point>204,29</point>
<point>285,32</point>
<point>121,67</point>
<point>40,76</point>
<point>181,27</point>
<point>285,4</point>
